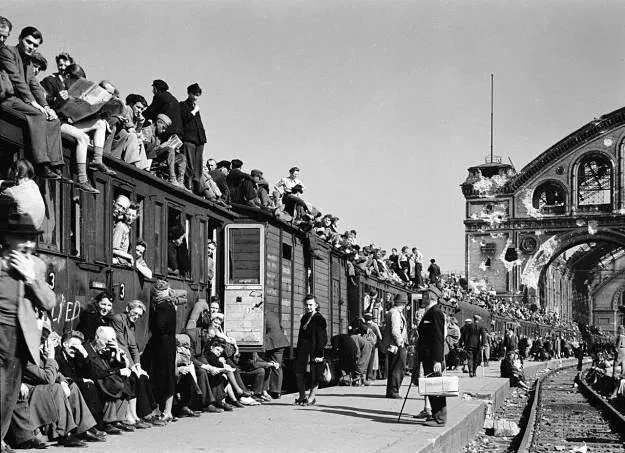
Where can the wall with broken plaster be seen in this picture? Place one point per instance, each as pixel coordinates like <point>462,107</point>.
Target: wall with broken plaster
<point>484,251</point>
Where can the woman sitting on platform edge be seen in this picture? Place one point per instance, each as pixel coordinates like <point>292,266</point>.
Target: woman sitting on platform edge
<point>311,342</point>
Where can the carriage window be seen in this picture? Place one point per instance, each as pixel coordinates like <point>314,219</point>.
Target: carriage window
<point>594,182</point>
<point>158,239</point>
<point>244,256</point>
<point>176,238</point>
<point>50,238</point>
<point>75,234</point>
<point>140,222</point>
<point>287,251</point>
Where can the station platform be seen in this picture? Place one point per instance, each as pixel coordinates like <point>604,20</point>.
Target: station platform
<point>345,419</point>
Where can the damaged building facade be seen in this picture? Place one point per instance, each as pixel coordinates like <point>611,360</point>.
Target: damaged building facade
<point>553,234</point>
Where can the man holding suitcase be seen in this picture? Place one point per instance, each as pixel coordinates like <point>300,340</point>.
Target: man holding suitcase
<point>430,347</point>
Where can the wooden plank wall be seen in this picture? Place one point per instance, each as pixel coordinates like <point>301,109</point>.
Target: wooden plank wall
<point>273,251</point>
<point>321,288</point>
<point>300,289</point>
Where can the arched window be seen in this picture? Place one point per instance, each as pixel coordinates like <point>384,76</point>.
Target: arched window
<point>549,198</point>
<point>594,182</point>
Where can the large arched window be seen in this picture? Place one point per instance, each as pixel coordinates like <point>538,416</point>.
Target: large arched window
<point>594,182</point>
<point>549,198</point>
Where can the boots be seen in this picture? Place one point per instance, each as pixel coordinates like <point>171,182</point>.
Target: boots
<point>82,182</point>
<point>97,164</point>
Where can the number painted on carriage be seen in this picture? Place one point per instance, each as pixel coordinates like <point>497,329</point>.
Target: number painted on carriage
<point>122,291</point>
<point>52,280</point>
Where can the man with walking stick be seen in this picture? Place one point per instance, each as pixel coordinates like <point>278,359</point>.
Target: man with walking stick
<point>431,350</point>
<point>394,345</point>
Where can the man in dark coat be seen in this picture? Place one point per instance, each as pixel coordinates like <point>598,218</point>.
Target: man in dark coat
<point>275,343</point>
<point>165,102</point>
<point>431,350</point>
<point>473,340</point>
<point>510,341</point>
<point>434,271</point>
<point>241,184</point>
<point>23,287</point>
<point>29,100</point>
<point>193,134</point>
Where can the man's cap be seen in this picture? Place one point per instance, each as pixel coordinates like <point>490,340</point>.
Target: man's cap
<point>256,173</point>
<point>14,222</point>
<point>164,118</point>
<point>224,164</point>
<point>123,201</point>
<point>194,88</point>
<point>69,334</point>
<point>292,169</point>
<point>160,85</point>
<point>434,290</point>
<point>400,299</point>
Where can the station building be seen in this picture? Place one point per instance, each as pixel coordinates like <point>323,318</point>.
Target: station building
<point>553,233</point>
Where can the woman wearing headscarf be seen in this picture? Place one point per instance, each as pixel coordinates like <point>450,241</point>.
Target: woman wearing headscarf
<point>159,357</point>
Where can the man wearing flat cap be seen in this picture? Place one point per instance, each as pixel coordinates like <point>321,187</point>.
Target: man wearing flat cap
<point>394,342</point>
<point>431,349</point>
<point>161,146</point>
<point>473,340</point>
<point>193,134</point>
<point>164,102</point>
<point>23,288</point>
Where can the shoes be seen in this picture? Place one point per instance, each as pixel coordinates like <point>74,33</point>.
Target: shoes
<point>99,166</point>
<point>225,406</point>
<point>248,401</point>
<point>433,423</point>
<point>124,426</point>
<point>97,432</point>
<point>423,414</point>
<point>142,425</point>
<point>302,401</point>
<point>311,402</point>
<point>109,428</point>
<point>86,187</point>
<point>395,396</point>
<point>275,395</point>
<point>262,398</point>
<point>46,173</point>
<point>238,404</point>
<point>366,383</point>
<point>213,409</point>
<point>154,421</point>
<point>4,448</point>
<point>71,441</point>
<point>28,445</point>
<point>89,436</point>
<point>186,412</point>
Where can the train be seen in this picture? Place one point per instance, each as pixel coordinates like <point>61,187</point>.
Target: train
<point>261,264</point>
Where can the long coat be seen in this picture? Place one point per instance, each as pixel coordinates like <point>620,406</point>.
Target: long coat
<point>159,357</point>
<point>274,336</point>
<point>431,343</point>
<point>165,102</point>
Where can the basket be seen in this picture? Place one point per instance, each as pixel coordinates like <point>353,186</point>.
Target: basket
<point>439,386</point>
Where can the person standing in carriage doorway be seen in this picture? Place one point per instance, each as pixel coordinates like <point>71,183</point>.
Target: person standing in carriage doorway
<point>23,289</point>
<point>311,343</point>
<point>431,350</point>
<point>394,341</point>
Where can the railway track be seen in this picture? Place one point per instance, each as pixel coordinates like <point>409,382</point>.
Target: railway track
<point>563,418</point>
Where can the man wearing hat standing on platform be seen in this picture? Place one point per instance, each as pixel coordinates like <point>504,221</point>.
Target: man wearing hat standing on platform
<point>23,288</point>
<point>394,343</point>
<point>193,134</point>
<point>164,102</point>
<point>473,340</point>
<point>431,350</point>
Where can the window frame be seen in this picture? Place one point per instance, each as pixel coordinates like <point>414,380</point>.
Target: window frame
<point>242,286</point>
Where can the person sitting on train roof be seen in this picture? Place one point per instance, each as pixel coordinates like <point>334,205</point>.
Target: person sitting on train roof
<point>159,148</point>
<point>285,185</point>
<point>5,29</point>
<point>124,142</point>
<point>29,100</point>
<point>92,127</point>
<point>98,314</point>
<point>262,189</point>
<point>24,192</point>
<point>194,136</point>
<point>40,64</point>
<point>165,103</point>
<point>220,175</point>
<point>241,184</point>
<point>55,83</point>
<point>207,187</point>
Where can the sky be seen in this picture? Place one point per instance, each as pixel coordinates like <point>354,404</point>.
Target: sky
<point>383,105</point>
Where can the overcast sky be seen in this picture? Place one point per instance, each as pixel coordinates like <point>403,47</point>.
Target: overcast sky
<point>383,105</point>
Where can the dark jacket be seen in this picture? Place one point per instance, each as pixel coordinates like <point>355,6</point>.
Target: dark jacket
<point>251,361</point>
<point>473,337</point>
<point>431,343</point>
<point>25,85</point>
<point>222,182</point>
<point>90,320</point>
<point>53,86</point>
<point>166,103</point>
<point>315,332</point>
<point>192,127</point>
<point>241,186</point>
<point>274,336</point>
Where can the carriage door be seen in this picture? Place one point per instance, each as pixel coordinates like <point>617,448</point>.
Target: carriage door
<point>244,286</point>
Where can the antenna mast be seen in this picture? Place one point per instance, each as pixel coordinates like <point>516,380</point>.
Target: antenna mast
<point>491,117</point>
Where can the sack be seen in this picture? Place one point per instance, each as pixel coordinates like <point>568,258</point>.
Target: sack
<point>326,376</point>
<point>439,386</point>
<point>6,86</point>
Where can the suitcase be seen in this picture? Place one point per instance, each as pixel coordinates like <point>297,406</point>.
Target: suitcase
<point>439,386</point>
